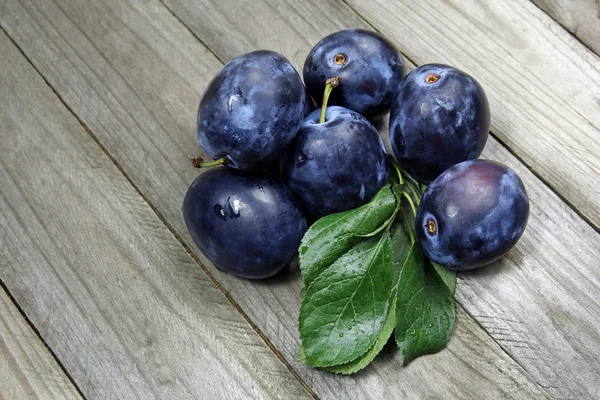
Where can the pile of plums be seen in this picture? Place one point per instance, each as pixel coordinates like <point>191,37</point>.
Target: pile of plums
<point>285,164</point>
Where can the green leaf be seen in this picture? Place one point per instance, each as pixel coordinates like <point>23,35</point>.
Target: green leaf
<point>397,189</point>
<point>345,308</point>
<point>302,355</point>
<point>400,242</point>
<point>447,275</point>
<point>332,236</point>
<point>369,356</point>
<point>424,308</point>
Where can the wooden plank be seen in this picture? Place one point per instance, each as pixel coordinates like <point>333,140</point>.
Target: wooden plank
<point>122,304</point>
<point>110,81</point>
<point>554,259</point>
<point>27,368</point>
<point>562,144</point>
<point>267,24</point>
<point>543,85</point>
<point>529,323</point>
<point>581,18</point>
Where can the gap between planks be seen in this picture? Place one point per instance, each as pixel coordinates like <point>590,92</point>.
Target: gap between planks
<point>204,268</point>
<point>543,182</point>
<point>167,225</point>
<point>215,55</point>
<point>572,20</point>
<point>27,321</point>
<point>520,158</point>
<point>411,65</point>
<point>186,26</point>
<point>49,95</point>
<point>3,285</point>
<point>498,138</point>
<point>554,106</point>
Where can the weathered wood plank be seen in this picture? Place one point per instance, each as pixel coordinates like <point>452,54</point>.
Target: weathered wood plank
<point>557,247</point>
<point>580,17</point>
<point>122,304</point>
<point>267,24</point>
<point>140,86</point>
<point>27,368</point>
<point>535,86</point>
<point>543,85</point>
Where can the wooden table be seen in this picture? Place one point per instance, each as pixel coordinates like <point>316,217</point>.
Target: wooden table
<point>104,294</point>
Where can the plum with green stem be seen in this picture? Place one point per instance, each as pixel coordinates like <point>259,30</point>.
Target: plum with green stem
<point>337,162</point>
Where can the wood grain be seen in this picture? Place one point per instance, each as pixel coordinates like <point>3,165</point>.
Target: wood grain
<point>27,368</point>
<point>548,119</point>
<point>232,27</point>
<point>580,17</point>
<point>121,303</point>
<point>543,85</point>
<point>548,261</point>
<point>140,86</point>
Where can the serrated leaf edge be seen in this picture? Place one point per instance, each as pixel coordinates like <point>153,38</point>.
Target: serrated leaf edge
<point>390,323</point>
<point>440,269</point>
<point>305,299</point>
<point>414,355</point>
<point>303,243</point>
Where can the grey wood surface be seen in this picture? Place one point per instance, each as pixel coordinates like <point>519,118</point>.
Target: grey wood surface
<point>541,302</point>
<point>27,368</point>
<point>137,85</point>
<point>543,84</point>
<point>134,75</point>
<point>122,304</point>
<point>580,17</point>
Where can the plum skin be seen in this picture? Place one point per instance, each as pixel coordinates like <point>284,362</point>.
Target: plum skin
<point>369,66</point>
<point>337,165</point>
<point>246,224</point>
<point>251,110</point>
<point>472,214</point>
<point>440,117</point>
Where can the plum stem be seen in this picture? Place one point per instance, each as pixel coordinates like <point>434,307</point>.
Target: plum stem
<point>410,178</point>
<point>329,85</point>
<point>398,173</point>
<point>414,192</point>
<point>199,162</point>
<point>410,182</point>
<point>408,227</point>
<point>412,204</point>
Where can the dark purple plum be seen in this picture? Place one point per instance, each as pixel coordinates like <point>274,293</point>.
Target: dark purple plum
<point>337,165</point>
<point>247,225</point>
<point>440,117</point>
<point>472,214</point>
<point>369,66</point>
<point>251,110</point>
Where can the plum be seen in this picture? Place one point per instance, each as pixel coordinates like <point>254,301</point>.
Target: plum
<point>246,224</point>
<point>472,214</point>
<point>251,110</point>
<point>440,117</point>
<point>369,66</point>
<point>336,165</point>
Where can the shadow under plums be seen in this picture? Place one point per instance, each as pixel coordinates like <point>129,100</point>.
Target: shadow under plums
<point>489,270</point>
<point>290,273</point>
